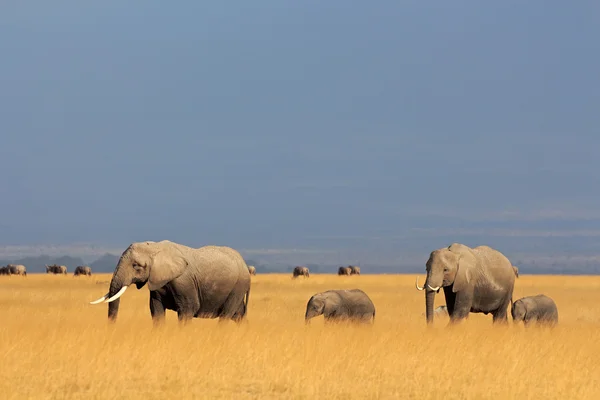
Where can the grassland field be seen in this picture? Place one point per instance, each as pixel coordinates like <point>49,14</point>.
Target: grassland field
<point>55,345</point>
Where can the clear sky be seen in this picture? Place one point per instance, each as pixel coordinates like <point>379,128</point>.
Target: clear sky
<point>365,129</point>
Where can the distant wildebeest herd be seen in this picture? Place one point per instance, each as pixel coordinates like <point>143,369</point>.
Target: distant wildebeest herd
<point>214,282</point>
<point>17,269</point>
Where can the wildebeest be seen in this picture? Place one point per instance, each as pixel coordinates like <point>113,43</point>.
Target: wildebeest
<point>17,269</point>
<point>83,270</point>
<point>344,271</point>
<point>4,270</point>
<point>56,269</point>
<point>301,271</point>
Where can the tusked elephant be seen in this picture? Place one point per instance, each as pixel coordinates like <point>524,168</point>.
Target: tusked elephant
<point>341,305</point>
<point>477,280</point>
<point>83,270</point>
<point>56,269</point>
<point>354,270</point>
<point>16,269</point>
<point>207,282</point>
<point>252,269</point>
<point>344,271</point>
<point>301,271</point>
<point>539,309</point>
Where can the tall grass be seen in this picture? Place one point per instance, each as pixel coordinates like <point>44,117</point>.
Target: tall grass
<point>54,345</point>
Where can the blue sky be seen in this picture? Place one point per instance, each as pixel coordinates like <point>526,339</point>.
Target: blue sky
<point>372,130</point>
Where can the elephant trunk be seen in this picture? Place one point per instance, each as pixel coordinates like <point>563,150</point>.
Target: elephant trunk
<point>429,298</point>
<point>118,284</point>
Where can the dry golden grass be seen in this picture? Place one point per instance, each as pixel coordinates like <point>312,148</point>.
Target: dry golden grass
<point>54,345</point>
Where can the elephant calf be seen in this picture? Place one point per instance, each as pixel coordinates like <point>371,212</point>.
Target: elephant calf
<point>538,309</point>
<point>353,305</point>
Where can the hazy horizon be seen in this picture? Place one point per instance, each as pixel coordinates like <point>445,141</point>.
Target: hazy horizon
<point>348,133</point>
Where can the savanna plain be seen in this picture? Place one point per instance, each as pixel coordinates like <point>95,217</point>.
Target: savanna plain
<point>55,345</point>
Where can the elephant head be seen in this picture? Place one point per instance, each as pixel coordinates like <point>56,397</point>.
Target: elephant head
<point>452,266</point>
<point>518,311</point>
<point>154,263</point>
<point>315,307</point>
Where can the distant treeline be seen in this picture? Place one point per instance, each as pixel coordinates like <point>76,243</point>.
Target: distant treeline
<point>108,262</point>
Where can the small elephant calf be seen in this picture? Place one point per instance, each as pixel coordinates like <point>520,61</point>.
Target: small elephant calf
<point>341,305</point>
<point>539,309</point>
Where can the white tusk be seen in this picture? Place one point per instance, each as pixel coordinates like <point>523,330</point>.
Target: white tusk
<point>433,288</point>
<point>417,284</point>
<point>100,300</point>
<point>116,296</point>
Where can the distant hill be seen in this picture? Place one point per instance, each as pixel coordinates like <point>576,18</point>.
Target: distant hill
<point>106,263</point>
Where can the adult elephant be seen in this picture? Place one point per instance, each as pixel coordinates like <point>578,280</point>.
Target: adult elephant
<point>301,271</point>
<point>344,271</point>
<point>252,269</point>
<point>16,269</point>
<point>477,280</point>
<point>83,270</point>
<point>354,270</point>
<point>208,282</point>
<point>341,305</point>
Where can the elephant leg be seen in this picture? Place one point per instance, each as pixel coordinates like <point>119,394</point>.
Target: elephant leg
<point>450,299</point>
<point>500,316</point>
<point>157,308</point>
<point>527,322</point>
<point>233,307</point>
<point>186,310</point>
<point>461,307</point>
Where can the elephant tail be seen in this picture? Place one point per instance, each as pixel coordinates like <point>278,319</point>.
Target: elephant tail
<point>246,301</point>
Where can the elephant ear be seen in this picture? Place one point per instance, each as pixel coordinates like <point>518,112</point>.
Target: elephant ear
<point>466,268</point>
<point>167,265</point>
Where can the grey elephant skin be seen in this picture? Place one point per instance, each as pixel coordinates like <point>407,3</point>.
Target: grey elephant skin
<point>344,271</point>
<point>83,270</point>
<point>300,271</point>
<point>341,305</point>
<point>477,280</point>
<point>252,270</point>
<point>539,309</point>
<point>207,282</point>
<point>16,269</point>
<point>56,269</point>
<point>354,270</point>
